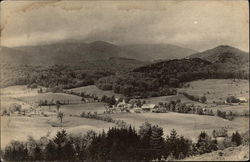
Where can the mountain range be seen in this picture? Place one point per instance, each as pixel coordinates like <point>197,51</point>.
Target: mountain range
<point>78,52</point>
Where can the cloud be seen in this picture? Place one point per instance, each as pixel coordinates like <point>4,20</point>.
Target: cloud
<point>124,22</point>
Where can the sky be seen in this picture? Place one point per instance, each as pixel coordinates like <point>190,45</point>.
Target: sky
<point>194,24</point>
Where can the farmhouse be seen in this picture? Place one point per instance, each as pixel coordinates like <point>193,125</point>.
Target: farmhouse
<point>148,107</point>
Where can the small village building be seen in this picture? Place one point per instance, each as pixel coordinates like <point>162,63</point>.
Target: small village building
<point>148,107</point>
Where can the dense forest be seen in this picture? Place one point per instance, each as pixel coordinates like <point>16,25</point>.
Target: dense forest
<point>160,78</point>
<point>60,76</point>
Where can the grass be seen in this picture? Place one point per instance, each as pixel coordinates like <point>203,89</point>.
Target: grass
<point>188,125</point>
<point>92,89</point>
<point>20,127</point>
<point>77,109</point>
<point>236,109</point>
<point>51,96</point>
<point>218,89</point>
<point>156,100</point>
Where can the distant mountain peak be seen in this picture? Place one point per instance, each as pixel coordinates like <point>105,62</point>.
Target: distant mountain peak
<point>223,54</point>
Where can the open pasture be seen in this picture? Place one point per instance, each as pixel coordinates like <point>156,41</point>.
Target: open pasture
<point>77,109</point>
<point>20,127</point>
<point>92,89</point>
<point>236,109</point>
<point>156,100</point>
<point>62,97</point>
<point>188,125</point>
<point>218,89</point>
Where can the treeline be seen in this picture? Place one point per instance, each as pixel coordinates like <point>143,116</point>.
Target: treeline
<point>178,106</point>
<point>146,144</point>
<point>94,115</point>
<point>134,85</point>
<point>160,78</point>
<point>106,99</point>
<point>201,99</point>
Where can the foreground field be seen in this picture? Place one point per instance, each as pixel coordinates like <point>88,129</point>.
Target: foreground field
<point>20,127</point>
<point>188,125</point>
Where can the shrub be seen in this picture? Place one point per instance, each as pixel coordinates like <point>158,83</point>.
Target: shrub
<point>232,99</point>
<point>236,137</point>
<point>222,132</point>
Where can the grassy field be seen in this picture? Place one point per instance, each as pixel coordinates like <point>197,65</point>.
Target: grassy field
<point>62,97</point>
<point>77,109</point>
<point>218,89</point>
<point>156,100</point>
<point>92,89</point>
<point>240,153</point>
<point>20,127</point>
<point>189,125</point>
<point>236,109</point>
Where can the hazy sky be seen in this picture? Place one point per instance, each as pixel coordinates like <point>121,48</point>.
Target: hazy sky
<point>192,24</point>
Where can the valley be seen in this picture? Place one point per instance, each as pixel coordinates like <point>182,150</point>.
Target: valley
<point>187,95</point>
<point>18,126</point>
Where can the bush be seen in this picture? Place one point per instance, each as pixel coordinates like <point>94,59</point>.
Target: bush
<point>203,99</point>
<point>222,132</point>
<point>33,85</point>
<point>232,99</point>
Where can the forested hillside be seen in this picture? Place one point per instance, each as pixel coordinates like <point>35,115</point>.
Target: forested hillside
<point>157,79</point>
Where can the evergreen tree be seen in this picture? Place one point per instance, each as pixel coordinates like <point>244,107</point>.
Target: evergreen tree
<point>50,151</point>
<point>157,142</point>
<point>236,137</point>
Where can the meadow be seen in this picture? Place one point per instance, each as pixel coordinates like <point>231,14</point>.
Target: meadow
<point>218,89</point>
<point>188,125</point>
<point>92,89</point>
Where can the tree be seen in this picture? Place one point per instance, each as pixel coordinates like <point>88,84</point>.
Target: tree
<point>60,116</point>
<point>50,151</point>
<point>236,137</point>
<point>37,153</point>
<point>205,144</point>
<point>203,99</point>
<point>157,142</point>
<point>58,105</point>
<point>145,132</point>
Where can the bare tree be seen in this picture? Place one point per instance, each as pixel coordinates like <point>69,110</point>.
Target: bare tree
<point>60,116</point>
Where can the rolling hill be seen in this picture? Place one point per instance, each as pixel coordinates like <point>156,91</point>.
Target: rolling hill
<point>223,54</point>
<point>76,52</point>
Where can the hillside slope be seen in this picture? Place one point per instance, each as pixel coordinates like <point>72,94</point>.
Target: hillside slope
<point>240,153</point>
<point>223,54</point>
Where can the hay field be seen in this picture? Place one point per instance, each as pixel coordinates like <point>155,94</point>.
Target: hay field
<point>218,89</point>
<point>188,125</point>
<point>92,89</point>
<point>20,127</point>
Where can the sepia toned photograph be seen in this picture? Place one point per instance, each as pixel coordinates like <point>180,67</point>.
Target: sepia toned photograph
<point>124,81</point>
